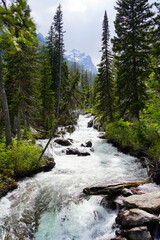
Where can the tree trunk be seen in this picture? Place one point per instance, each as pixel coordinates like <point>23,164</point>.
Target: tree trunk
<point>5,111</point>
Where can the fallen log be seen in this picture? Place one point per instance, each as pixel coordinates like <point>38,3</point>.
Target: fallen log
<point>113,189</point>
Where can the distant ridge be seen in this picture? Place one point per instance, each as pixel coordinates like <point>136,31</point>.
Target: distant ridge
<point>82,59</point>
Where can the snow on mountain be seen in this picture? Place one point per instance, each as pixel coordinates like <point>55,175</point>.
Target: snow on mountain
<point>83,61</point>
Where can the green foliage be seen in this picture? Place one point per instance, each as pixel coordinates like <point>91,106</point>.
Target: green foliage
<point>22,157</point>
<point>139,136</point>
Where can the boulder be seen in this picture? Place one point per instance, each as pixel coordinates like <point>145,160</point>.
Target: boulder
<point>126,192</point>
<point>90,123</point>
<point>63,142</point>
<point>135,217</point>
<point>102,135</point>
<point>84,154</point>
<point>148,201</point>
<point>72,151</point>
<point>87,144</point>
<point>137,233</point>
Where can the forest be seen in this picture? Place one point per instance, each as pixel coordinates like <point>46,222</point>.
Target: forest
<point>40,91</point>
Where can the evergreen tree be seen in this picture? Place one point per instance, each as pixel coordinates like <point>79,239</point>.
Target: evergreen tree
<point>20,71</point>
<point>46,93</point>
<point>104,80</point>
<point>132,48</point>
<point>56,50</point>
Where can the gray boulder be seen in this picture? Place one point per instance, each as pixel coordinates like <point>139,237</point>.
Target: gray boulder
<point>147,201</point>
<point>135,217</point>
<point>137,233</point>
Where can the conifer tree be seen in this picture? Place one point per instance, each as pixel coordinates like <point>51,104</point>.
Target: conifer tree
<point>104,80</point>
<point>56,50</point>
<point>132,53</point>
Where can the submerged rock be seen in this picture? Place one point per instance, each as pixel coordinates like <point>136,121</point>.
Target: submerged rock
<point>135,217</point>
<point>63,142</point>
<point>75,151</point>
<point>72,151</point>
<point>87,144</point>
<point>90,123</point>
<point>84,154</point>
<point>147,201</point>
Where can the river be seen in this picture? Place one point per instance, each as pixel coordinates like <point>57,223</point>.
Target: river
<point>51,206</point>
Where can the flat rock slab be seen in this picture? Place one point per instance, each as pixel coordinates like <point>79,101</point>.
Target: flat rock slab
<point>147,201</point>
<point>135,217</point>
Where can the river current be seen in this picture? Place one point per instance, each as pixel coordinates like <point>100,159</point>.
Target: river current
<point>51,206</point>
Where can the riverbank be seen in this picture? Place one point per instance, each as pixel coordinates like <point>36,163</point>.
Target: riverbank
<point>138,211</point>
<point>142,142</point>
<point>20,161</point>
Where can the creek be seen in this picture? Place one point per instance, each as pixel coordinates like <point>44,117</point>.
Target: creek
<point>51,206</point>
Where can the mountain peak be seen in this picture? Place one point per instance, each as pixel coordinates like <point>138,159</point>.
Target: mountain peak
<point>82,59</point>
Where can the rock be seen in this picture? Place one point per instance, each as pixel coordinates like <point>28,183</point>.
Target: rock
<point>75,151</point>
<point>135,217</point>
<point>72,151</point>
<point>137,233</point>
<point>108,203</point>
<point>84,154</point>
<point>102,135</point>
<point>147,201</point>
<point>6,185</point>
<point>63,142</point>
<point>48,165</point>
<point>113,190</point>
<point>118,238</point>
<point>87,144</point>
<point>126,192</point>
<point>90,123</point>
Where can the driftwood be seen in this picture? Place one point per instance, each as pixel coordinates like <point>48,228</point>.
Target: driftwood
<point>113,189</point>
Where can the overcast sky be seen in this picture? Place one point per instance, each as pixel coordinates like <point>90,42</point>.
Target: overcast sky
<point>82,22</point>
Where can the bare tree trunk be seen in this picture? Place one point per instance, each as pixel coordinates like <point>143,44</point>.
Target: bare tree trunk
<point>5,111</point>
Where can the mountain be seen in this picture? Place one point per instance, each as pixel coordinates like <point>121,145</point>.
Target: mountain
<point>82,60</point>
<point>41,39</point>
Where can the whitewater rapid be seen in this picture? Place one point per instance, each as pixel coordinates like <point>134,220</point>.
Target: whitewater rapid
<point>51,206</point>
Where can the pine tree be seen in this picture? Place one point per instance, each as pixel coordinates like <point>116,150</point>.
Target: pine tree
<point>132,53</point>
<point>56,50</point>
<point>104,80</point>
<point>20,64</point>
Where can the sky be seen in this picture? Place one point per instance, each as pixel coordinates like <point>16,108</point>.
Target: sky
<point>82,22</point>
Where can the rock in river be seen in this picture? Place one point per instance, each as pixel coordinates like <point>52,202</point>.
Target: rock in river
<point>137,233</point>
<point>147,201</point>
<point>135,217</point>
<point>63,142</point>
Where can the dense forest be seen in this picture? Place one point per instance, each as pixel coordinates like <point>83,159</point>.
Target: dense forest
<point>40,91</point>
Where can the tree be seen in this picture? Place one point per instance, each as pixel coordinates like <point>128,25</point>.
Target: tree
<point>56,51</point>
<point>132,53</point>
<point>18,44</point>
<point>104,80</point>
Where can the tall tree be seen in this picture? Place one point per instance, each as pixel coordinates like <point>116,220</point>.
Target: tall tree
<point>56,50</point>
<point>104,80</point>
<point>132,53</point>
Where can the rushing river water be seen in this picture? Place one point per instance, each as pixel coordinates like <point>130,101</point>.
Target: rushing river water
<point>51,206</point>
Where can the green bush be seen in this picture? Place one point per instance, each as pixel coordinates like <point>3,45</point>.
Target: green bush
<point>20,157</point>
<point>140,136</point>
